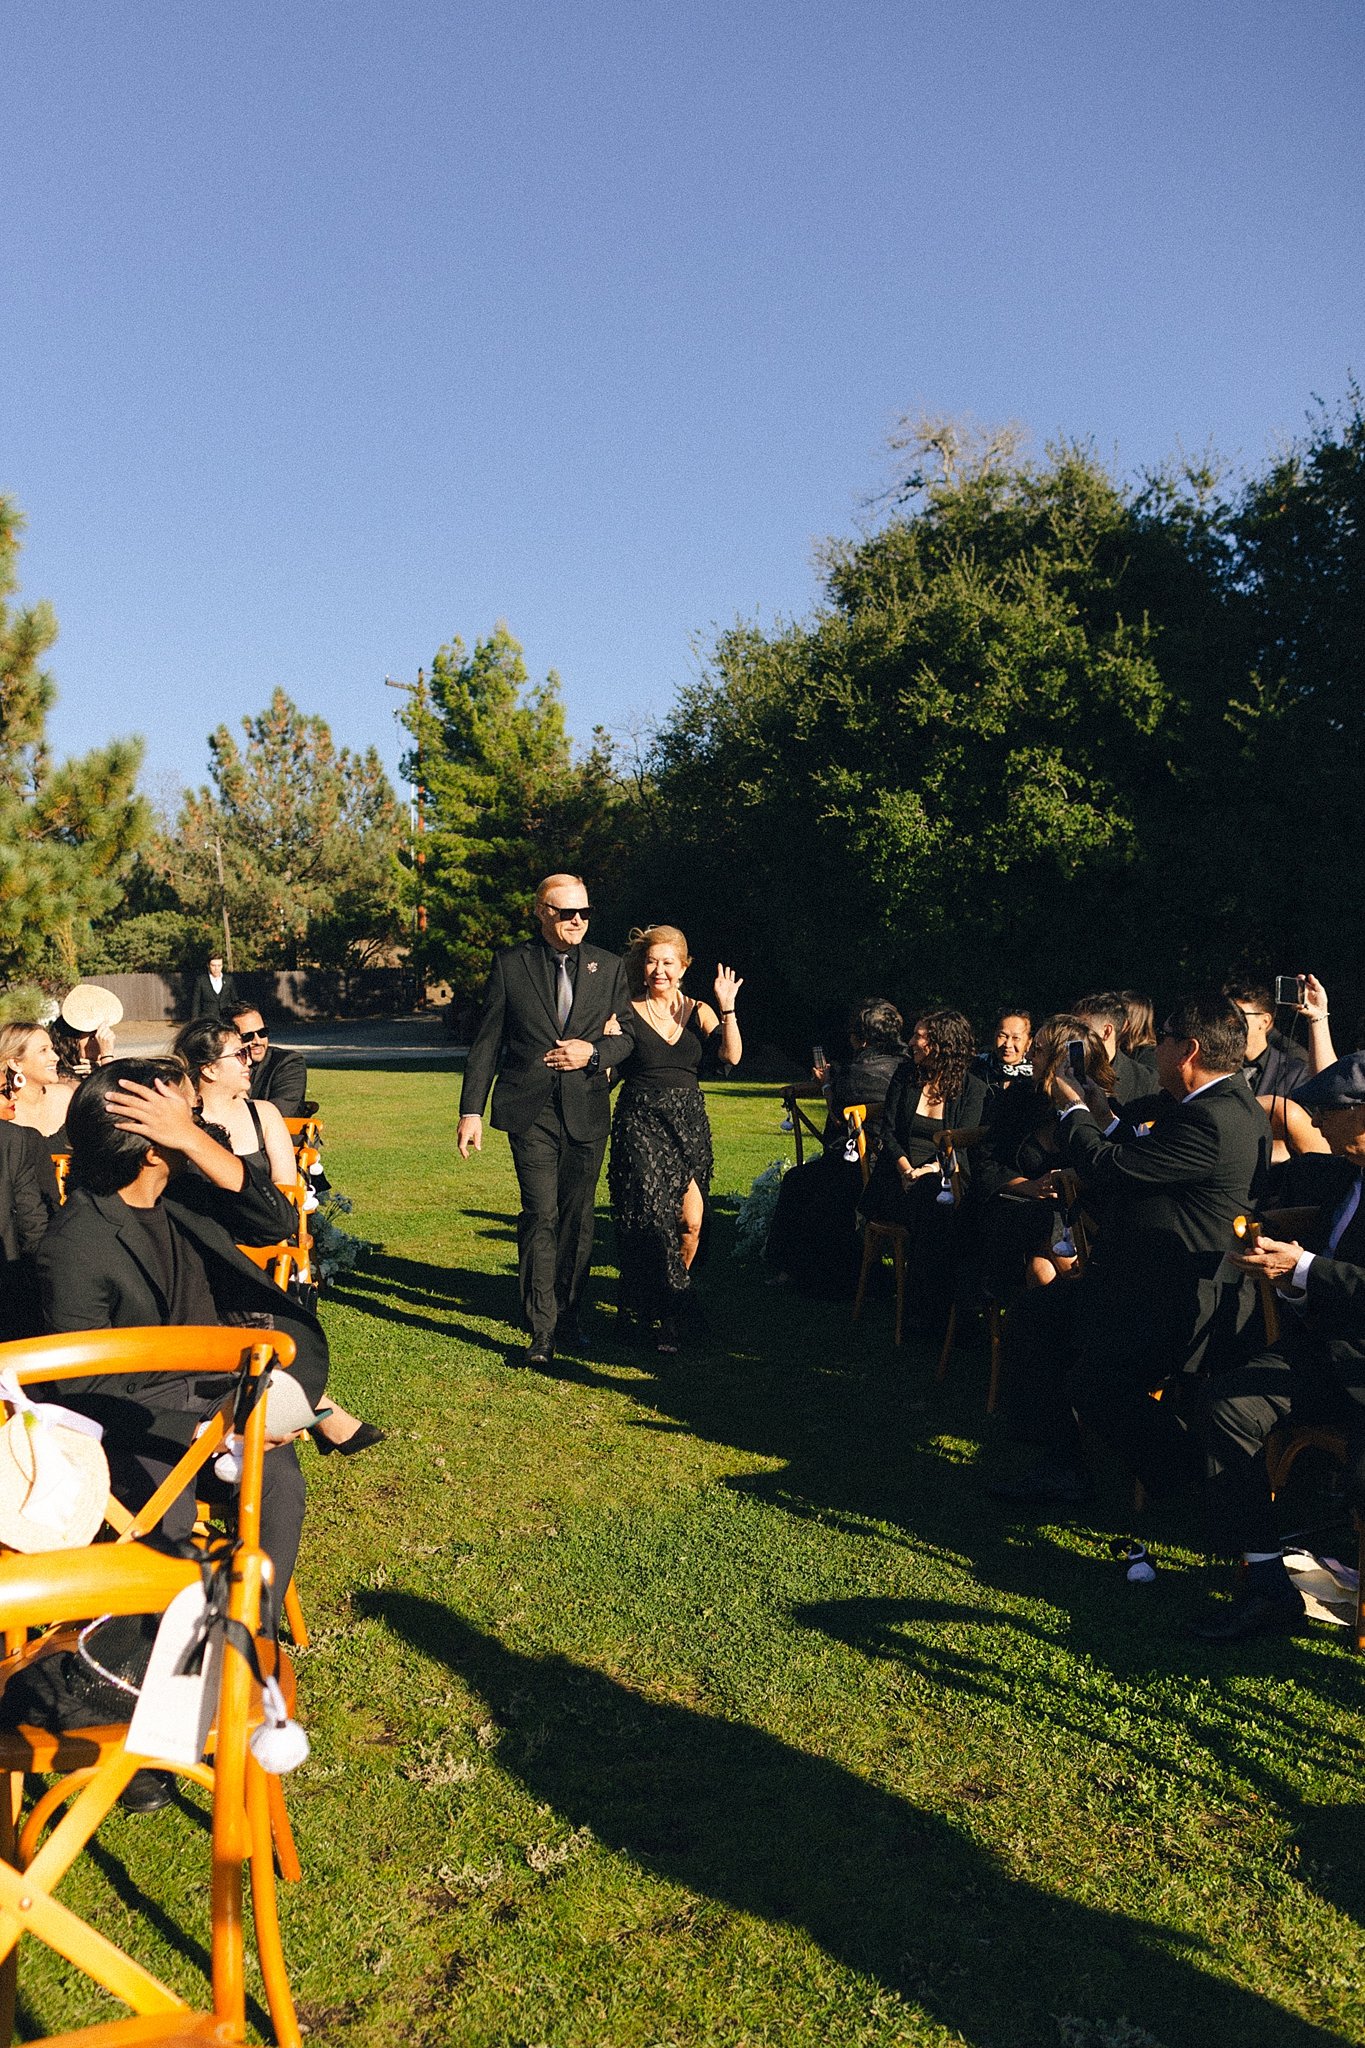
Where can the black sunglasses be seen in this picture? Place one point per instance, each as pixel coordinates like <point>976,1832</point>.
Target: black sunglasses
<point>1166,1032</point>
<point>250,1037</point>
<point>561,916</point>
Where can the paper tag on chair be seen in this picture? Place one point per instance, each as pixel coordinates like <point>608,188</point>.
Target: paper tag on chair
<point>174,1712</point>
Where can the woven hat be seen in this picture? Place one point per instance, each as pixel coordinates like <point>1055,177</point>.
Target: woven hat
<point>91,1008</point>
<point>54,1479</point>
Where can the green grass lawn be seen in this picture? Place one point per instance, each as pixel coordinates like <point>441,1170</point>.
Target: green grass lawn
<point>709,1702</point>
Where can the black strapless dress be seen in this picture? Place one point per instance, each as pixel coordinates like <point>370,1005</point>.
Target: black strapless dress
<point>660,1141</point>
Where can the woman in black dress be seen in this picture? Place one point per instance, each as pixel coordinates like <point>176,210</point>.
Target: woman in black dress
<point>659,1173</point>
<point>932,1092</point>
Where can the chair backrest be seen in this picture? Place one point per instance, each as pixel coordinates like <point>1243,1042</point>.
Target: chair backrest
<point>61,1167</point>
<point>79,1354</point>
<point>800,1122</point>
<point>862,1125</point>
<point>71,1585</point>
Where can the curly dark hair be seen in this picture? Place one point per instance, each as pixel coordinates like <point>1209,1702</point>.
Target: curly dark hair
<point>876,1023</point>
<point>951,1048</point>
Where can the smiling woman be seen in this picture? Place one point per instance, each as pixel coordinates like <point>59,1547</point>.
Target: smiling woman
<point>660,1169</point>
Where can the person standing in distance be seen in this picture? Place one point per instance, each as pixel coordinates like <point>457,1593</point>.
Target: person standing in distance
<point>545,1002</point>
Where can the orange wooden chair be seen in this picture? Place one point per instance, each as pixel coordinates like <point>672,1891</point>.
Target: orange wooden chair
<point>61,1167</point>
<point>1284,1447</point>
<point>877,1237</point>
<point>93,1766</point>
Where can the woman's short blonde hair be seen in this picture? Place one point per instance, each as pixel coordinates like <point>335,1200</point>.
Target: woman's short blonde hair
<point>639,944</point>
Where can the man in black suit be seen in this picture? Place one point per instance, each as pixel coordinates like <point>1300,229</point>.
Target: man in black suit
<point>144,1240</point>
<point>215,992</point>
<point>278,1074</point>
<point>1315,1371</point>
<point>544,1004</point>
<point>1167,1182</point>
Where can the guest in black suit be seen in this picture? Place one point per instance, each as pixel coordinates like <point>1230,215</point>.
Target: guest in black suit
<point>148,1235</point>
<point>1269,1070</point>
<point>1315,1372</point>
<point>215,992</point>
<point>1107,1016</point>
<point>1168,1184</point>
<point>544,1004</point>
<point>278,1074</point>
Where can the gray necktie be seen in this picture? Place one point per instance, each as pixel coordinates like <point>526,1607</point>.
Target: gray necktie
<point>563,991</point>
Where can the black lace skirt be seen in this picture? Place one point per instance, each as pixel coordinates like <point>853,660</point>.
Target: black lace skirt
<point>660,1140</point>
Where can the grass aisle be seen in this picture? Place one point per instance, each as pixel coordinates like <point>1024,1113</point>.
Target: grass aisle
<point>713,1704</point>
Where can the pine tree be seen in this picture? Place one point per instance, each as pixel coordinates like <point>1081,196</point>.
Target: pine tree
<point>68,833</point>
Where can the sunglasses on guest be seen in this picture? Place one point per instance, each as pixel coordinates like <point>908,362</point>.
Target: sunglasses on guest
<point>250,1037</point>
<point>561,916</point>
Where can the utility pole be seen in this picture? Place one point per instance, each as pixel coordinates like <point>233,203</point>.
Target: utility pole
<point>416,691</point>
<point>222,900</point>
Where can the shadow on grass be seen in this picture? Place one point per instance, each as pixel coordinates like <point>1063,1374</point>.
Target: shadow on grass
<point>883,1887</point>
<point>426,1297</point>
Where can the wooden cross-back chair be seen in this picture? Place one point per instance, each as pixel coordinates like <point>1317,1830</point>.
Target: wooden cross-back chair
<point>792,1097</point>
<point>61,1167</point>
<point>1284,1447</point>
<point>93,1766</point>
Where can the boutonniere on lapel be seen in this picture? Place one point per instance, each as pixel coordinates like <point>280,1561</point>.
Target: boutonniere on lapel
<point>591,966</point>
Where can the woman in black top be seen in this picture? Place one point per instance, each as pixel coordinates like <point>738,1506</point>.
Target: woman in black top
<point>659,1173</point>
<point>812,1239</point>
<point>932,1092</point>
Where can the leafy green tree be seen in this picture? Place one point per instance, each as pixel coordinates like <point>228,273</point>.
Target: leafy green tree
<point>68,832</point>
<point>308,835</point>
<point>505,802</point>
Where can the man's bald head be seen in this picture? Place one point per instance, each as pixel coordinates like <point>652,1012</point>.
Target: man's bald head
<point>557,899</point>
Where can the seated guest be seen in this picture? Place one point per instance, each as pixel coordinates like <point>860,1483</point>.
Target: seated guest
<point>27,1049</point>
<point>23,1220</point>
<point>1315,1371</point>
<point>1021,1217</point>
<point>1008,1059</point>
<point>812,1238</point>
<point>1268,1069</point>
<point>1138,1037</point>
<point>215,992</point>
<point>218,1065</point>
<point>148,1235</point>
<point>1153,1297</point>
<point>278,1074</point>
<point>931,1092</point>
<point>1107,1016</point>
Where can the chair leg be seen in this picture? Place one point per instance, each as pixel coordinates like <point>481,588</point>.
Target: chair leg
<point>293,1614</point>
<point>1360,1586</point>
<point>11,1791</point>
<point>869,1243</point>
<point>286,1855</point>
<point>949,1338</point>
<point>995,1318</point>
<point>265,1912</point>
<point>899,1253</point>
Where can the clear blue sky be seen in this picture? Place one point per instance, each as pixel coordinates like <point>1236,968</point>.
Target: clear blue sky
<point>332,331</point>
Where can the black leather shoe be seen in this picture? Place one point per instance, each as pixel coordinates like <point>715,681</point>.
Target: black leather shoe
<point>147,1792</point>
<point>541,1351</point>
<point>1251,1614</point>
<point>1043,1485</point>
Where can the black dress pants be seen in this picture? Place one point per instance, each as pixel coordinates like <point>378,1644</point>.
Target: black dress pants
<point>1242,1406</point>
<point>557,1176</point>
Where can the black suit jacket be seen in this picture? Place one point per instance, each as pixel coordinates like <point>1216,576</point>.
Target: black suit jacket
<point>93,1272</point>
<point>281,1078</point>
<point>1166,1203</point>
<point>1323,1330</point>
<point>517,1027</point>
<point>203,1001</point>
<point>965,1112</point>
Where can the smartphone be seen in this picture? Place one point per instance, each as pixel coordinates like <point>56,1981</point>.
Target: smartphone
<point>817,1055</point>
<point>1289,989</point>
<point>1075,1059</point>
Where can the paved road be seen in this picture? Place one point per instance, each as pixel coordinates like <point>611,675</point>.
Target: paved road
<point>359,1044</point>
